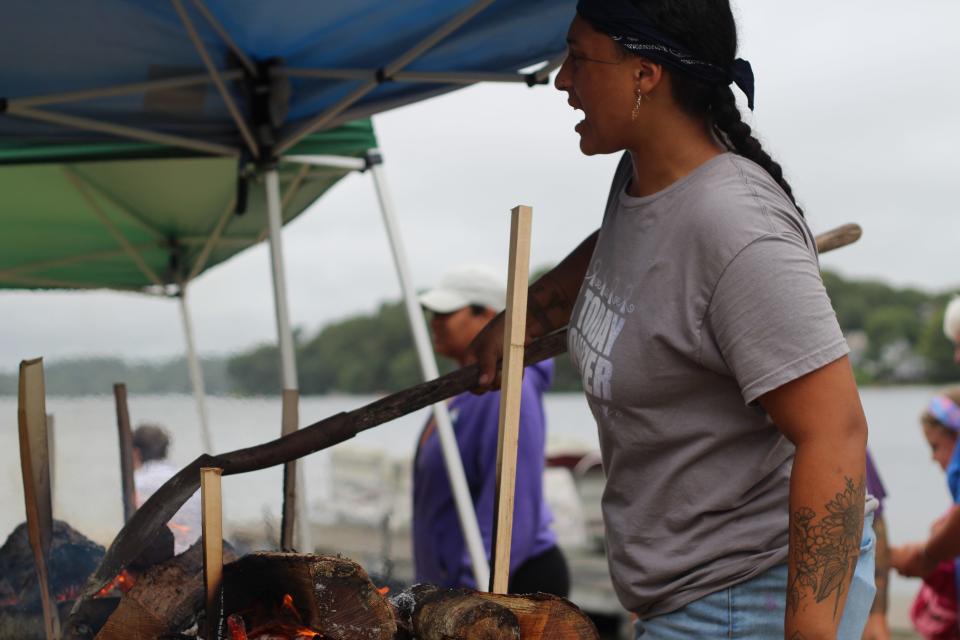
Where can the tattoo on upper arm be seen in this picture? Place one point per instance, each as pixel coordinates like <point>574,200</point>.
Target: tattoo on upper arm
<point>825,551</point>
<point>544,297</point>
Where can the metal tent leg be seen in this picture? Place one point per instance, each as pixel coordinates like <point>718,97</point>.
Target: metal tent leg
<point>288,373</point>
<point>196,373</point>
<point>428,365</point>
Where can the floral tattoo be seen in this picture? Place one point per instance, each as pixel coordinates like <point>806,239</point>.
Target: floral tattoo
<point>825,553</point>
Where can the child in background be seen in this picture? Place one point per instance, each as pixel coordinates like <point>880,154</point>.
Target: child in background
<point>934,611</point>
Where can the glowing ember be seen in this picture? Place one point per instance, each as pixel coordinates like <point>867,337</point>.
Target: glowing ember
<point>289,608</point>
<point>236,628</point>
<point>275,629</point>
<point>124,581</point>
<point>383,590</point>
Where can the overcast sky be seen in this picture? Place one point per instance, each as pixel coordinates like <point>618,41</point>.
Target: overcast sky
<point>858,99</point>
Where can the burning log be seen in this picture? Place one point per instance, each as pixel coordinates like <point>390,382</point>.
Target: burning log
<point>427,612</point>
<point>331,597</point>
<point>162,601</point>
<point>72,559</point>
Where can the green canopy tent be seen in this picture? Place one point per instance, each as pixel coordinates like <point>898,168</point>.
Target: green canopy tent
<point>88,216</point>
<point>145,218</point>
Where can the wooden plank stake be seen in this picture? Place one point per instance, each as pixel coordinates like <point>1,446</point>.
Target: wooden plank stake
<point>52,457</point>
<point>127,488</point>
<point>516,316</point>
<point>34,462</point>
<point>289,422</point>
<point>212,504</point>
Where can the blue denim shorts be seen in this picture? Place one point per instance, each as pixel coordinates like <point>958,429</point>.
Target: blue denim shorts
<point>755,609</point>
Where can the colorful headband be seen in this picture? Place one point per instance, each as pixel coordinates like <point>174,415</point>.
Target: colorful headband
<point>620,20</point>
<point>946,412</point>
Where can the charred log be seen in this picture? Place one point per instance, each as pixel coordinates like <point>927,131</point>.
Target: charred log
<point>431,613</point>
<point>426,612</point>
<point>163,601</point>
<point>72,559</point>
<point>330,595</point>
<point>542,615</point>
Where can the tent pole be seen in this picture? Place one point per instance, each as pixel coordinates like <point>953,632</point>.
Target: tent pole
<point>428,365</point>
<point>196,373</point>
<point>288,364</point>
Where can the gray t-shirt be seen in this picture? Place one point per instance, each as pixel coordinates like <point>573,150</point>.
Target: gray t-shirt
<point>698,300</point>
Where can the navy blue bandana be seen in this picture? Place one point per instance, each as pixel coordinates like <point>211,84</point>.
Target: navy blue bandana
<point>620,20</point>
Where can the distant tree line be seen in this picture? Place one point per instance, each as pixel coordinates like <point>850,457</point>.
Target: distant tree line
<point>95,376</point>
<point>895,334</point>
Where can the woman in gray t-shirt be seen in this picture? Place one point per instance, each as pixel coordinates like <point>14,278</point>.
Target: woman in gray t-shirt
<point>730,426</point>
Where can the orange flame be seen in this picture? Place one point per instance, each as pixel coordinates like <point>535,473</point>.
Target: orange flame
<point>124,581</point>
<point>289,608</point>
<point>238,631</point>
<point>383,590</point>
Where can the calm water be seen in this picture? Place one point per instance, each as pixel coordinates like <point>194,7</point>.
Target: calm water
<point>87,490</point>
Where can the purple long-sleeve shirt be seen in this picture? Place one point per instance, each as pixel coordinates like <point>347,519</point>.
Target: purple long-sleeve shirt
<point>439,550</point>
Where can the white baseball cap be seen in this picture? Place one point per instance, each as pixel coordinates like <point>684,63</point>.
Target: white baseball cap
<point>465,286</point>
<point>951,321</point>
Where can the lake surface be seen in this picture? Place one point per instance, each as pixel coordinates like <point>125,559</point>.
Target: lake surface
<point>87,486</point>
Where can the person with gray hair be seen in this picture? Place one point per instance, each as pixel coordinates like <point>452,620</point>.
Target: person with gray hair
<point>151,470</point>
<point>951,326</point>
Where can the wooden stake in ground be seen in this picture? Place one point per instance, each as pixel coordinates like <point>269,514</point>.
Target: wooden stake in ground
<point>52,456</point>
<point>289,422</point>
<point>516,316</point>
<point>212,503</point>
<point>127,489</point>
<point>34,462</point>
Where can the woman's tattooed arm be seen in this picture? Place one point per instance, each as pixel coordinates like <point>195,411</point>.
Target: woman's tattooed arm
<point>824,549</point>
<point>551,298</point>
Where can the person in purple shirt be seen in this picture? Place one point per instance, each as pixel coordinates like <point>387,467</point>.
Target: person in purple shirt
<point>460,306</point>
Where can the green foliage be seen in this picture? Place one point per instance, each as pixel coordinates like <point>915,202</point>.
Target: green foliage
<point>887,325</point>
<point>889,316</point>
<point>256,372</point>
<point>95,376</point>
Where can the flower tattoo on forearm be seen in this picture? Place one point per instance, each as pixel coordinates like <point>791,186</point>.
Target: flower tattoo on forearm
<point>825,552</point>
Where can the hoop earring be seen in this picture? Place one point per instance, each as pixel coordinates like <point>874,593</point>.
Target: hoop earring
<point>636,107</point>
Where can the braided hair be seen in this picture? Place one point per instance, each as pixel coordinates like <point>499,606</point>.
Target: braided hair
<point>707,28</point>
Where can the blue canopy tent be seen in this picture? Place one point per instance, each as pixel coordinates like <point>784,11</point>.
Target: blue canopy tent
<point>252,80</point>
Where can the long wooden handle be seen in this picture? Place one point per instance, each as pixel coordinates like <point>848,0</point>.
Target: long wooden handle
<point>509,425</point>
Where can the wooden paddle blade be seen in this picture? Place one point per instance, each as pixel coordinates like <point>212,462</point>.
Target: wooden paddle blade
<point>35,464</point>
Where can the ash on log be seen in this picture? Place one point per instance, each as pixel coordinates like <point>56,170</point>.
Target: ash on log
<point>73,558</point>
